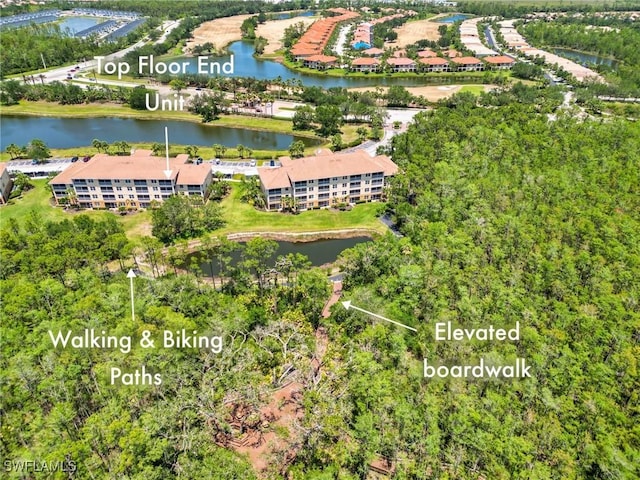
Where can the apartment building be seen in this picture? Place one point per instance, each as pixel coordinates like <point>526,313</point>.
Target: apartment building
<point>326,179</point>
<point>365,64</point>
<point>6,184</point>
<point>132,181</point>
<point>467,64</point>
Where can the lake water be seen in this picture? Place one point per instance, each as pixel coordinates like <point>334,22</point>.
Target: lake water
<point>453,18</point>
<point>319,252</point>
<point>77,132</point>
<point>284,16</point>
<point>585,58</point>
<point>77,24</point>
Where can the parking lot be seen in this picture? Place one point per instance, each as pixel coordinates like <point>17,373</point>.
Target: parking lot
<point>54,165</point>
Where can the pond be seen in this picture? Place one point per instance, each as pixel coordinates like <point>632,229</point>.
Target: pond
<point>287,15</point>
<point>77,24</point>
<point>320,252</point>
<point>585,58</point>
<point>458,17</point>
<point>78,132</point>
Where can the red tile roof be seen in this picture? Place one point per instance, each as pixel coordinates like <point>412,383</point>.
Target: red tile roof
<point>365,61</point>
<point>466,60</point>
<point>434,61</point>
<point>499,59</point>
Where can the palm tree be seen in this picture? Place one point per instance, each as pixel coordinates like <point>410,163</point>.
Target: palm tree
<point>240,149</point>
<point>100,145</point>
<point>13,150</point>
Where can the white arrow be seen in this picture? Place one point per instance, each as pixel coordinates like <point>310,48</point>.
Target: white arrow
<point>131,275</point>
<point>348,305</point>
<point>167,172</point>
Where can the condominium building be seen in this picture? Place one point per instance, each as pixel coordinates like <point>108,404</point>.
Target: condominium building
<point>326,179</point>
<point>132,181</point>
<point>6,184</point>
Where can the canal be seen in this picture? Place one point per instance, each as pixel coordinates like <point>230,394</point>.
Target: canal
<point>585,57</point>
<point>78,132</point>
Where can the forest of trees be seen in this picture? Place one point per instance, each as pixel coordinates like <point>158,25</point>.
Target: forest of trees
<point>507,215</point>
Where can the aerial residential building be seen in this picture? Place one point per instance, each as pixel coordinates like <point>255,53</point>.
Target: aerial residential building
<point>320,62</point>
<point>132,181</point>
<point>500,62</point>
<point>467,64</point>
<point>401,64</point>
<point>451,53</point>
<point>326,179</point>
<point>373,52</point>
<point>6,183</point>
<point>427,53</point>
<point>365,64</point>
<point>362,37</point>
<point>434,64</point>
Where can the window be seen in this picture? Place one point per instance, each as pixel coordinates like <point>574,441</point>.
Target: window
<point>127,181</point>
<point>120,196</point>
<point>94,196</point>
<point>344,185</point>
<point>93,189</point>
<point>130,189</point>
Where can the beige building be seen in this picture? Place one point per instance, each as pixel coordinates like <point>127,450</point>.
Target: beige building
<point>131,181</point>
<point>326,179</point>
<point>6,184</point>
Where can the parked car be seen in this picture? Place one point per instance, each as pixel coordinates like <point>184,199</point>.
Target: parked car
<point>74,159</point>
<point>86,158</point>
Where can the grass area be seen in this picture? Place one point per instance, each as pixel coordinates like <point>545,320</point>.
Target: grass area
<point>242,217</point>
<point>38,199</point>
<point>475,89</point>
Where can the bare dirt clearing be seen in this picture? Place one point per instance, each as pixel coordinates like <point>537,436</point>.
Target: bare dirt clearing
<point>273,31</point>
<point>221,32</point>
<point>411,32</point>
<point>431,93</point>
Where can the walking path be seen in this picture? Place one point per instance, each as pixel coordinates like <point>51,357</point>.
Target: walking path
<point>335,296</point>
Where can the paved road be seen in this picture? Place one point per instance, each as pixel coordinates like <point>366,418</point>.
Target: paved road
<point>342,39</point>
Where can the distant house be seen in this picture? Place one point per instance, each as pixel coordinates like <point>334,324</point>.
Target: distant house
<point>467,64</point>
<point>362,37</point>
<point>500,62</point>
<point>434,64</point>
<point>6,184</point>
<point>365,64</point>
<point>451,53</point>
<point>326,179</point>
<point>401,64</point>
<point>402,53</point>
<point>320,62</point>
<point>373,52</point>
<point>426,53</point>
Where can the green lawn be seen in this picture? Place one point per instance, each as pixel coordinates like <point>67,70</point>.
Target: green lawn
<point>240,217</point>
<point>39,199</point>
